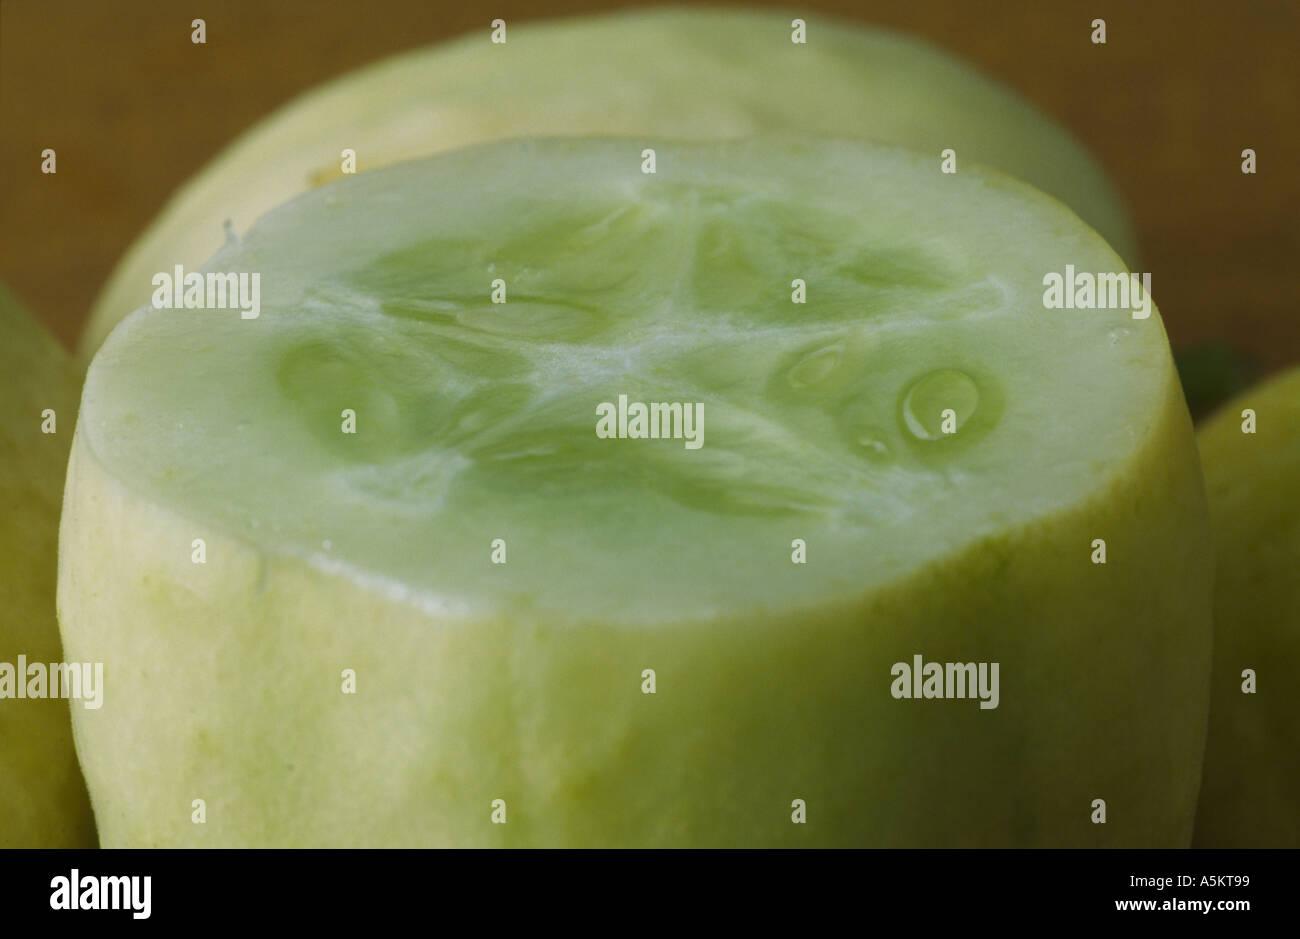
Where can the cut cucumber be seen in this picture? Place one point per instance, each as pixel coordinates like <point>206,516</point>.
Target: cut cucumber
<point>475,421</point>
<point>1251,795</point>
<point>694,74</point>
<point>43,800</point>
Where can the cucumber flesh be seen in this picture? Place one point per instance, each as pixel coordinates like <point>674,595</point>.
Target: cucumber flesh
<point>476,421</point>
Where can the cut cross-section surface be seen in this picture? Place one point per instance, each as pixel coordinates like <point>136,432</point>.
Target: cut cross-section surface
<point>477,418</point>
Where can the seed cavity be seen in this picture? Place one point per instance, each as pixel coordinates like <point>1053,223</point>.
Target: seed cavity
<point>930,397</point>
<point>870,439</point>
<point>860,428</point>
<point>814,368</point>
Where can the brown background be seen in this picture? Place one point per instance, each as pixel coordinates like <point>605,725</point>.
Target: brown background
<point>133,108</point>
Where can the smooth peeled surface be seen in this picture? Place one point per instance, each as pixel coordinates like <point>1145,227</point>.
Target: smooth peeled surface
<point>43,800</point>
<point>692,74</point>
<point>1251,793</point>
<point>476,421</point>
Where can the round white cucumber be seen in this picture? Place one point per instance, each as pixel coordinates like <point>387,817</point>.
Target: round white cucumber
<point>43,800</point>
<point>916,461</point>
<point>695,74</point>
<point>1251,454</point>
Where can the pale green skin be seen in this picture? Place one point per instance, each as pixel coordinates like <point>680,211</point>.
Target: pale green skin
<point>692,74</point>
<point>43,801</point>
<point>1251,793</point>
<point>523,682</point>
